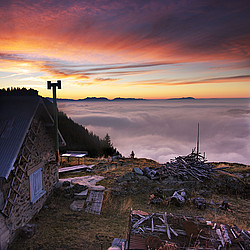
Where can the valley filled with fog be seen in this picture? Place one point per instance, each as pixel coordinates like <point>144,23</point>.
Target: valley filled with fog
<point>164,129</point>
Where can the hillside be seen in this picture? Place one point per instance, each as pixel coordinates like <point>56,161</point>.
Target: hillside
<point>78,138</point>
<point>126,189</point>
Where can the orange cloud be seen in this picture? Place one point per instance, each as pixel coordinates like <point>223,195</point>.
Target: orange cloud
<point>127,31</point>
<point>126,42</point>
<point>165,82</point>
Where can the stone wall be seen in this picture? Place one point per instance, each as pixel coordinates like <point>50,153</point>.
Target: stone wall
<point>4,233</point>
<point>42,155</point>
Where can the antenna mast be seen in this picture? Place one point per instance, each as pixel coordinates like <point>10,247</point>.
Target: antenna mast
<point>53,85</point>
<point>198,141</point>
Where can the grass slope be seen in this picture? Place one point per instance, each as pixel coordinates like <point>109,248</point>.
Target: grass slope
<point>61,228</point>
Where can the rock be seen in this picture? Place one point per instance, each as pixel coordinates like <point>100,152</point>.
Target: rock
<point>205,193</point>
<point>1,200</point>
<point>68,193</point>
<point>156,201</point>
<point>138,171</point>
<point>167,192</point>
<point>127,177</point>
<point>151,173</point>
<point>28,231</point>
<point>179,197</point>
<point>58,184</point>
<point>119,191</point>
<point>82,195</point>
<point>77,188</point>
<point>200,203</point>
<point>66,184</point>
<point>77,205</point>
<point>143,178</point>
<point>68,196</point>
<point>224,205</point>
<point>97,188</point>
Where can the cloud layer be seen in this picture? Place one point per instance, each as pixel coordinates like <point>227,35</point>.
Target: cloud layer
<point>165,129</point>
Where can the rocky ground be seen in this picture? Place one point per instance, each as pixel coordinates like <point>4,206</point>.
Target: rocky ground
<point>220,194</point>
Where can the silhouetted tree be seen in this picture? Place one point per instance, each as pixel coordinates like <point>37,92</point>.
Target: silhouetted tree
<point>18,92</point>
<point>132,155</point>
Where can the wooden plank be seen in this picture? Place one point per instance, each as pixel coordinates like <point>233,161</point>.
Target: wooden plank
<point>15,190</point>
<point>75,168</point>
<point>23,170</point>
<point>218,232</point>
<point>225,235</point>
<point>94,202</point>
<point>19,179</point>
<point>141,220</point>
<point>166,223</point>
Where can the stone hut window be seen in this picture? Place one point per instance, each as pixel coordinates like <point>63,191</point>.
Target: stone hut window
<point>36,185</point>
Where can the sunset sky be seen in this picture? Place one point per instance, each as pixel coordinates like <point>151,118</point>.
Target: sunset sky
<point>141,48</point>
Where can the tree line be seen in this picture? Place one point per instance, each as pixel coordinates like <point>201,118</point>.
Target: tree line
<point>18,92</point>
<point>76,136</point>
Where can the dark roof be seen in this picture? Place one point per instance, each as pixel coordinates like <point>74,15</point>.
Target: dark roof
<point>16,115</point>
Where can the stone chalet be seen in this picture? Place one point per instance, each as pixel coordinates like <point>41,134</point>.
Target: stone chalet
<point>28,166</point>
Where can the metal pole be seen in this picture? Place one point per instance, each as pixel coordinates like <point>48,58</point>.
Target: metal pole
<point>54,85</point>
<point>56,122</point>
<point>198,141</point>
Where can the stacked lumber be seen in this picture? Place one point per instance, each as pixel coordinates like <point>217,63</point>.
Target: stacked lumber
<point>192,165</point>
<point>185,232</point>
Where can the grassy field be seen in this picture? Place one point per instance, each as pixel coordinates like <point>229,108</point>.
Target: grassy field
<point>60,228</point>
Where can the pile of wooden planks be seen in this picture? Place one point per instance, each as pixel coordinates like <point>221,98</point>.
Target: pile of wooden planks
<point>184,232</point>
<point>192,166</point>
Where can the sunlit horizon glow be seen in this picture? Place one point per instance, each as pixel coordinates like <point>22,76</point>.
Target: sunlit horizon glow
<point>141,49</point>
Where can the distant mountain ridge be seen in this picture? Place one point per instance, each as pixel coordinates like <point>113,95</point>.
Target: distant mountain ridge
<point>105,99</point>
<point>182,98</point>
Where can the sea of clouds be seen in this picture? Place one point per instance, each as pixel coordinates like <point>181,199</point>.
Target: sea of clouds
<point>164,129</point>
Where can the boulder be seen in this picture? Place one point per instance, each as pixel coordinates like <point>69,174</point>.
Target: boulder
<point>151,173</point>
<point>28,231</point>
<point>167,192</point>
<point>138,171</point>
<point>143,178</point>
<point>179,197</point>
<point>119,191</point>
<point>224,205</point>
<point>200,203</point>
<point>77,205</point>
<point>66,184</point>
<point>156,201</point>
<point>127,177</point>
<point>82,195</point>
<point>77,188</point>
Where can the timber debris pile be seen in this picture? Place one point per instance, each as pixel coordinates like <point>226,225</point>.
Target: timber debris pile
<point>191,172</point>
<point>193,165</point>
<point>167,231</point>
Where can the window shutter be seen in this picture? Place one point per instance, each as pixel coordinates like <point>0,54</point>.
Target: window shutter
<point>36,185</point>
